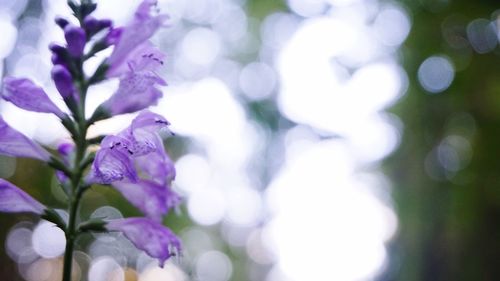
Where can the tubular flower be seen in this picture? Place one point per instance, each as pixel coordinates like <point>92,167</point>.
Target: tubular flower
<point>26,95</point>
<point>14,200</point>
<point>138,150</point>
<point>112,163</point>
<point>134,60</point>
<point>142,27</point>
<point>153,199</point>
<point>150,236</point>
<point>13,143</point>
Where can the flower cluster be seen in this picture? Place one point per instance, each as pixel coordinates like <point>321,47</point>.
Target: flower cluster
<point>134,161</point>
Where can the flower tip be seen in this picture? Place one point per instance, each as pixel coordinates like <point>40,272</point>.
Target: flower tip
<point>62,22</point>
<point>76,39</point>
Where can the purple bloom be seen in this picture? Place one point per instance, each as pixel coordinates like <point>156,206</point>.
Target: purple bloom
<point>153,199</point>
<point>142,27</point>
<point>14,200</point>
<point>139,150</point>
<point>112,163</point>
<point>150,236</point>
<point>138,80</point>
<point>142,135</point>
<point>76,39</point>
<point>13,143</point>
<point>134,59</point>
<point>26,95</point>
<point>64,82</point>
<point>136,91</point>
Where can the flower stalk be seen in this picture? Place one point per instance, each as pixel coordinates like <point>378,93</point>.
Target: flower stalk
<point>134,161</point>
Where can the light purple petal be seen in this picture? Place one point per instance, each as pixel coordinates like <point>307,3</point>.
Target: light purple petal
<point>153,199</point>
<point>157,167</point>
<point>138,146</point>
<point>26,95</point>
<point>14,200</point>
<point>136,91</point>
<point>143,133</point>
<point>150,236</point>
<point>143,26</point>
<point>113,162</point>
<point>13,143</point>
<point>145,57</point>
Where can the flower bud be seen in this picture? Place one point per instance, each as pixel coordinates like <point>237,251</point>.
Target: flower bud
<point>91,24</point>
<point>27,95</point>
<point>62,22</point>
<point>76,40</point>
<point>63,80</point>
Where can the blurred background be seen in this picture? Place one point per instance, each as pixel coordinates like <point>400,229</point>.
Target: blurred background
<point>315,140</point>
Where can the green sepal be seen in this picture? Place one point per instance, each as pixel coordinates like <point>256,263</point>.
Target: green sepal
<point>99,114</point>
<point>99,74</point>
<point>94,225</point>
<point>52,216</point>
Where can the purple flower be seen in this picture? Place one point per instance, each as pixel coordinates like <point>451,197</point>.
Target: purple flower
<point>75,39</point>
<point>64,82</point>
<point>142,135</point>
<point>14,200</point>
<point>26,95</point>
<point>142,27</point>
<point>148,235</point>
<point>136,91</point>
<point>14,143</point>
<point>134,60</point>
<point>153,199</point>
<point>112,163</point>
<point>138,150</point>
<point>138,81</point>
<point>115,160</point>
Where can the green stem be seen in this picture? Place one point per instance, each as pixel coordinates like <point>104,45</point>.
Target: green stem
<point>77,188</point>
<point>71,237</point>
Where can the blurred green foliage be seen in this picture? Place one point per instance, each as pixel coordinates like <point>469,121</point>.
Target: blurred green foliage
<point>449,224</point>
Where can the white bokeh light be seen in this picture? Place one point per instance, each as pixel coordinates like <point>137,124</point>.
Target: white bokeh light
<point>9,35</point>
<point>436,73</point>
<point>317,199</point>
<point>48,240</point>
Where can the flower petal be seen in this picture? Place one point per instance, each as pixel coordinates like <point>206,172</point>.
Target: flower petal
<point>136,91</point>
<point>145,57</point>
<point>112,163</point>
<point>143,26</point>
<point>153,199</point>
<point>150,236</point>
<point>13,143</point>
<point>14,200</point>
<point>26,95</point>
